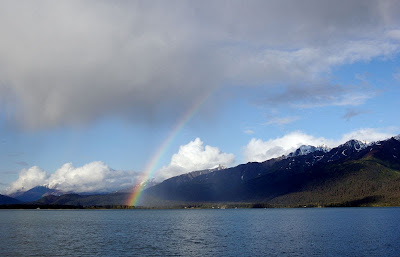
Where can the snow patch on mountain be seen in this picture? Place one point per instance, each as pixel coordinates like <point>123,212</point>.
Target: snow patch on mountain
<point>306,149</point>
<point>356,144</point>
<point>218,167</point>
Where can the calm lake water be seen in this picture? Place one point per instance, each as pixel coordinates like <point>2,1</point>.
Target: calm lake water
<point>231,232</point>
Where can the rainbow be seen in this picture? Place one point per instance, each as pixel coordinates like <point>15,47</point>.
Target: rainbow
<point>152,164</point>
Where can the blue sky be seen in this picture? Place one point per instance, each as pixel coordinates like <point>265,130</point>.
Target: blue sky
<point>90,91</point>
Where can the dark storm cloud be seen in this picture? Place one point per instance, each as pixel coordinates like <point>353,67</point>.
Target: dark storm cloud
<point>73,62</point>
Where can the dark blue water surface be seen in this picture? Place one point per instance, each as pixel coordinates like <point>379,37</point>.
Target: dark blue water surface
<point>231,232</point>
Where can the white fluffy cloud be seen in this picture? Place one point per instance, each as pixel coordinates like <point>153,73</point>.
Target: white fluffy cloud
<point>259,150</point>
<point>28,178</point>
<point>368,135</point>
<point>92,177</point>
<point>76,61</point>
<point>195,156</point>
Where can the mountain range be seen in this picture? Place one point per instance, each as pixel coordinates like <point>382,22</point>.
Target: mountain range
<point>352,174</point>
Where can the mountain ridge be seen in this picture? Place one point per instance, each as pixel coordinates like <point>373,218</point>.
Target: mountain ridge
<point>5,200</point>
<point>351,174</point>
<point>34,193</point>
<point>279,176</point>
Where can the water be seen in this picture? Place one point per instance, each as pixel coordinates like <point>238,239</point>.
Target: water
<point>233,232</point>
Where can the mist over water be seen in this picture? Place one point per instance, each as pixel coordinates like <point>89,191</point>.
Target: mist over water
<point>233,232</point>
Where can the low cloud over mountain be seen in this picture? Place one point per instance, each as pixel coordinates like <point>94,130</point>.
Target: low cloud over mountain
<point>98,177</point>
<point>195,156</point>
<point>92,177</point>
<point>259,150</point>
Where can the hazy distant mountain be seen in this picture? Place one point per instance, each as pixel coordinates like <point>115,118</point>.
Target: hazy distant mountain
<point>85,200</point>
<point>34,194</point>
<point>8,200</point>
<point>350,172</point>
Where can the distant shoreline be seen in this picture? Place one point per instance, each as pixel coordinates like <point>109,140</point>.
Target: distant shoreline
<point>187,206</point>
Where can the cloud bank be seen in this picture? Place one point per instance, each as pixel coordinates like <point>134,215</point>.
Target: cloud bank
<point>98,177</point>
<point>73,62</point>
<point>194,156</point>
<point>92,177</point>
<point>258,150</point>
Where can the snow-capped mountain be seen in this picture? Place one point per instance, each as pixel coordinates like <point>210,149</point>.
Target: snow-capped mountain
<point>306,149</point>
<point>356,144</point>
<point>218,167</point>
<point>308,168</point>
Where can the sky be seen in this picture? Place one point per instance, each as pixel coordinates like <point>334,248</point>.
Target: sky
<point>95,93</point>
